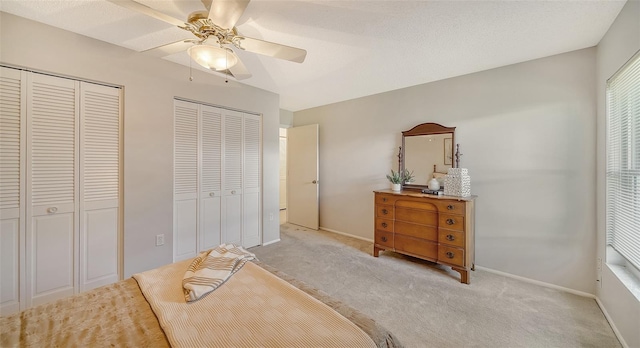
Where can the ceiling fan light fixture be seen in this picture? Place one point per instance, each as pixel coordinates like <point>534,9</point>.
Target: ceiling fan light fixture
<point>213,57</point>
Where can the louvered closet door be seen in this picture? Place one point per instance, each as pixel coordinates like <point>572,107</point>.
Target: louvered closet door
<point>99,185</point>
<point>232,194</point>
<point>210,177</point>
<point>52,145</point>
<point>251,183</point>
<point>12,138</point>
<point>185,196</point>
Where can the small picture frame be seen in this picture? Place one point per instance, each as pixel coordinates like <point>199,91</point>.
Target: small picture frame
<point>448,151</point>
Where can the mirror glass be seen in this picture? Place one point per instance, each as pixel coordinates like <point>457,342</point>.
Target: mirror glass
<point>428,152</point>
<point>428,156</point>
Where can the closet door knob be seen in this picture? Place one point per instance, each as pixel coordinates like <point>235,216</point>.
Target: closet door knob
<point>233,192</point>
<point>52,210</point>
<point>211,194</point>
<point>450,254</point>
<point>450,237</point>
<point>314,182</point>
<point>450,222</point>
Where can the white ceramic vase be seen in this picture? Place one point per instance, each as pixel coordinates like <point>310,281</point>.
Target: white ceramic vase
<point>396,187</point>
<point>434,185</point>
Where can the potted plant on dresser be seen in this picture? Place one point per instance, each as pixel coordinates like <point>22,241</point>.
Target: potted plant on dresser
<point>396,180</point>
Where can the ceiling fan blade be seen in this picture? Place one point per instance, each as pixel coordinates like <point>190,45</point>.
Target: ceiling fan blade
<point>169,49</point>
<point>272,49</point>
<point>225,13</point>
<point>239,71</point>
<point>146,10</point>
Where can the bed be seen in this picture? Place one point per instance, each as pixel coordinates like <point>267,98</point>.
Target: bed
<point>257,306</point>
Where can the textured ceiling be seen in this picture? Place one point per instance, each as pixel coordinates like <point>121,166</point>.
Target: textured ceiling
<point>355,48</point>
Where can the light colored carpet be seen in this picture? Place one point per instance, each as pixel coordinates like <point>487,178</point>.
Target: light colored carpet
<point>425,305</point>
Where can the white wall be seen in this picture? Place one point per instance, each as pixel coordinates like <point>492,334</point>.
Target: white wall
<point>527,132</point>
<point>150,84</point>
<point>286,118</point>
<point>620,43</point>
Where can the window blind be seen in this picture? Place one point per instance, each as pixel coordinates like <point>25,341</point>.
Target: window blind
<point>623,161</point>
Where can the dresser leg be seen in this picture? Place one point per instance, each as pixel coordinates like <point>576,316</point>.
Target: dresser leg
<point>376,251</point>
<point>464,274</point>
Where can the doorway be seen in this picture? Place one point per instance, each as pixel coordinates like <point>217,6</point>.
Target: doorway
<point>283,176</point>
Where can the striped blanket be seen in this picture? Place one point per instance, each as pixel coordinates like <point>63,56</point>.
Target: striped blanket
<point>212,268</point>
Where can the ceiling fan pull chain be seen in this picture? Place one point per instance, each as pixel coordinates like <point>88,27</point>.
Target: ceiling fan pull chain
<point>190,70</point>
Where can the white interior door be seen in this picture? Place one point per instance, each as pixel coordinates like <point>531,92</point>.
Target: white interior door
<point>185,195</point>
<point>12,193</point>
<point>210,228</point>
<point>232,194</point>
<point>52,188</point>
<point>99,185</point>
<point>302,179</point>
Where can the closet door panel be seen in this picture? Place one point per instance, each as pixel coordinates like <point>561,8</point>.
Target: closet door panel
<point>251,181</point>
<point>12,179</point>
<point>210,228</point>
<point>52,147</point>
<point>185,224</point>
<point>185,212</point>
<point>232,219</point>
<point>9,265</point>
<point>99,184</point>
<point>52,257</point>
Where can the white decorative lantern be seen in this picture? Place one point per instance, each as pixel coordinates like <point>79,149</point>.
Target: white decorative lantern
<point>457,182</point>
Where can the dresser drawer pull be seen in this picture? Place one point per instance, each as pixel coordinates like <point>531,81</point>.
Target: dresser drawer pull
<point>450,207</point>
<point>384,224</point>
<point>383,238</point>
<point>450,222</point>
<point>451,237</point>
<point>384,199</point>
<point>385,211</point>
<point>450,254</point>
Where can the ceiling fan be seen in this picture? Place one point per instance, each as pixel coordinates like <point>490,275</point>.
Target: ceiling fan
<point>216,35</point>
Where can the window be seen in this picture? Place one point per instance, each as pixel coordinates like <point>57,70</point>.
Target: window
<point>623,162</point>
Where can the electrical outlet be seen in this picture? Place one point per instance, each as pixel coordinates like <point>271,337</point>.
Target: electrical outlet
<point>270,216</point>
<point>160,240</point>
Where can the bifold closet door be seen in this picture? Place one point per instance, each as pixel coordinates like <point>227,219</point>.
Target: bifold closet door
<point>12,217</point>
<point>99,184</point>
<point>210,222</point>
<point>251,184</point>
<point>232,194</point>
<point>185,195</point>
<point>52,185</point>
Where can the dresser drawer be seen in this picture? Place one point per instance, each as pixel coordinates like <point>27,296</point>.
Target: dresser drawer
<point>407,203</point>
<point>416,216</point>
<point>417,247</point>
<point>384,238</point>
<point>451,255</point>
<point>451,207</point>
<point>384,225</point>
<point>451,222</point>
<point>384,211</point>
<point>451,237</point>
<point>415,230</point>
<point>385,199</point>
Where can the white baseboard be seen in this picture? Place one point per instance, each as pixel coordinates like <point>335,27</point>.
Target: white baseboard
<point>346,234</point>
<point>611,323</point>
<point>271,242</point>
<point>537,282</point>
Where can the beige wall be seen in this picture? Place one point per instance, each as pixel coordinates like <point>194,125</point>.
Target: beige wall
<point>527,132</point>
<point>150,85</point>
<point>620,43</point>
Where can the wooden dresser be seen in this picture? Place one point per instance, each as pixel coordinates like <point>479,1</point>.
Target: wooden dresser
<point>434,228</point>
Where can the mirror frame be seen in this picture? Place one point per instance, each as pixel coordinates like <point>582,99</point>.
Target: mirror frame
<point>425,129</point>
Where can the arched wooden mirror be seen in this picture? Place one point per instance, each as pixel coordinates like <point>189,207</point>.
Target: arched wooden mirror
<point>427,151</point>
